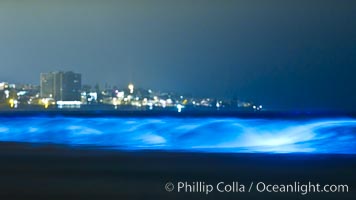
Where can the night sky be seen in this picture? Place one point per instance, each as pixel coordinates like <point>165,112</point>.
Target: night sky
<point>282,54</point>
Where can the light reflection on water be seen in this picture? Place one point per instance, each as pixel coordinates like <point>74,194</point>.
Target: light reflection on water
<point>188,134</point>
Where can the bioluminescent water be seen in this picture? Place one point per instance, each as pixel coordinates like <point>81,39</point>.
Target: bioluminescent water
<point>188,134</point>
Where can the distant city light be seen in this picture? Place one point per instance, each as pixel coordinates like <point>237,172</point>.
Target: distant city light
<point>169,101</point>
<point>179,107</point>
<point>68,104</point>
<point>163,103</point>
<point>120,95</point>
<point>12,103</point>
<point>45,102</point>
<point>150,105</point>
<point>131,88</point>
<point>21,93</point>
<point>3,85</point>
<point>51,92</point>
<point>7,93</point>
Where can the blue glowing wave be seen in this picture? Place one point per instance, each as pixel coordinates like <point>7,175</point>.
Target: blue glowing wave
<point>188,134</point>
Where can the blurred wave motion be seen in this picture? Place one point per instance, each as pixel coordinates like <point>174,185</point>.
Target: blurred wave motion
<point>334,136</point>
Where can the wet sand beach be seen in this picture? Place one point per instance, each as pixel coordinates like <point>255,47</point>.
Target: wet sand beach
<point>45,171</point>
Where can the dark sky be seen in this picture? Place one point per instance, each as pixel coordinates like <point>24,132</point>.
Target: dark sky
<point>284,54</point>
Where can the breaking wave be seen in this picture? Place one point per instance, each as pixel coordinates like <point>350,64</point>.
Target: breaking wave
<point>188,134</point>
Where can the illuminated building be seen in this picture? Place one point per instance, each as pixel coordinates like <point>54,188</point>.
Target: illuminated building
<point>61,86</point>
<point>4,86</point>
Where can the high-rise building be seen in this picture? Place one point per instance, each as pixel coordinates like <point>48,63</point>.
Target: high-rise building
<point>61,86</point>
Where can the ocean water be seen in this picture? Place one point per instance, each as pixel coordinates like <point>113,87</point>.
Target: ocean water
<point>192,134</point>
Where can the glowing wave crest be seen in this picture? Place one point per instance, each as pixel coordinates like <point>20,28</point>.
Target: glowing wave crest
<point>188,134</point>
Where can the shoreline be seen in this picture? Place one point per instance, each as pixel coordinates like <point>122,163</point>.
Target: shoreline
<point>61,172</point>
<point>170,113</point>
